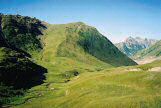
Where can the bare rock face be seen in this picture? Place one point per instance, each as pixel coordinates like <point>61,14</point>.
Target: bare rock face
<point>132,45</point>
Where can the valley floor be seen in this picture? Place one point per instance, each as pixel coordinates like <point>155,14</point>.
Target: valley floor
<point>122,87</point>
<point>147,60</point>
<point>72,66</point>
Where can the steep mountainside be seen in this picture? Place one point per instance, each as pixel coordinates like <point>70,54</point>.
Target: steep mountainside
<point>61,51</point>
<point>132,45</point>
<point>17,71</point>
<point>18,36</point>
<point>22,32</point>
<point>87,40</point>
<point>152,51</point>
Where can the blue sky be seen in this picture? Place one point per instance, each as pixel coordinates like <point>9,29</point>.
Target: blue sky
<point>116,19</point>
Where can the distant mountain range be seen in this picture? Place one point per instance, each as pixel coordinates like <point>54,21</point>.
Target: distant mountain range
<point>132,45</point>
<point>152,51</point>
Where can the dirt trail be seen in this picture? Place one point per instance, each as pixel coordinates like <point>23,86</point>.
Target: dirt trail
<point>155,69</point>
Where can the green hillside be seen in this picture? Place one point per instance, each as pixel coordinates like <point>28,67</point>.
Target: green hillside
<point>153,51</point>
<point>17,73</point>
<point>121,87</point>
<point>71,66</point>
<point>22,32</point>
<point>82,40</point>
<point>17,70</point>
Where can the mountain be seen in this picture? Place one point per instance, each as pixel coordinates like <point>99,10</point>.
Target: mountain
<point>22,32</point>
<point>36,54</point>
<point>132,45</point>
<point>82,40</point>
<point>152,51</point>
<point>17,71</point>
<point>69,65</point>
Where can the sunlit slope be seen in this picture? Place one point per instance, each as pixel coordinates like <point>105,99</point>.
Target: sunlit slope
<point>83,41</point>
<point>61,68</point>
<point>72,82</point>
<point>65,49</point>
<point>52,56</point>
<point>53,37</point>
<point>125,87</point>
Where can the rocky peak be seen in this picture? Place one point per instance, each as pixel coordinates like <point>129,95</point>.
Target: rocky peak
<point>132,45</point>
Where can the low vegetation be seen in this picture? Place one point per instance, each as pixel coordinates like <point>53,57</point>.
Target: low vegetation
<point>87,40</point>
<point>110,87</point>
<point>71,70</point>
<point>17,73</point>
<point>22,32</point>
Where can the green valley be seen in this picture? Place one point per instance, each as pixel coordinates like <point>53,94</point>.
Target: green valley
<point>70,66</point>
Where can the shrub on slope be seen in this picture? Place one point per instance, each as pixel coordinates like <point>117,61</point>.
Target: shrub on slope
<point>17,72</point>
<point>22,32</point>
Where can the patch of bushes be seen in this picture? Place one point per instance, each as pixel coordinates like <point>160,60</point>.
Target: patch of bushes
<point>69,74</point>
<point>22,32</point>
<point>17,74</point>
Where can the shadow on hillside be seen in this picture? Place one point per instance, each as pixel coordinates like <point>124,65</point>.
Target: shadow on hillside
<point>17,76</point>
<point>25,74</point>
<point>26,31</point>
<point>23,79</point>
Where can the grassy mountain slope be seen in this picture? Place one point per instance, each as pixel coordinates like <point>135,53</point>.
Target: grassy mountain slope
<point>73,82</point>
<point>121,87</point>
<point>17,73</point>
<point>15,68</point>
<point>22,32</point>
<point>65,50</point>
<point>87,40</point>
<point>154,50</point>
<point>61,68</point>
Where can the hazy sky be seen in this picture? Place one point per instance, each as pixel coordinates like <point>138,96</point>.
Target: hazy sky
<point>116,19</point>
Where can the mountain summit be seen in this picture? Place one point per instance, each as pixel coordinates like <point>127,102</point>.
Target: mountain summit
<point>132,45</point>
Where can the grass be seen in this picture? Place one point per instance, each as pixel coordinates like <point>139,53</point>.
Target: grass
<point>17,73</point>
<point>76,79</point>
<point>115,87</point>
<point>148,66</point>
<point>98,85</point>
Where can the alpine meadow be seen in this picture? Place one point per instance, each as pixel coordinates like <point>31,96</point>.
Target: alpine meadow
<point>74,64</point>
